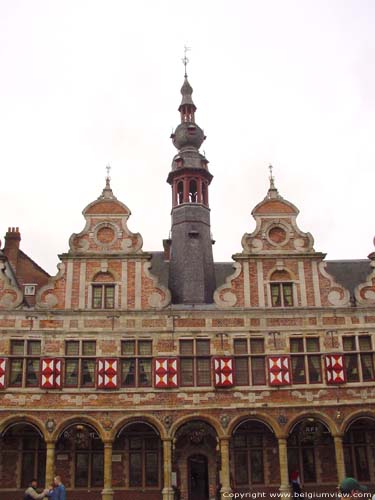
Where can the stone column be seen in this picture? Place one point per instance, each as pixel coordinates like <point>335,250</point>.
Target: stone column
<point>340,461</point>
<point>50,462</point>
<point>167,492</point>
<point>283,464</point>
<point>107,493</point>
<point>225,468</point>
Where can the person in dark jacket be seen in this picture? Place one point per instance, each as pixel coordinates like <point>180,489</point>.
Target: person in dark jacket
<point>31,492</point>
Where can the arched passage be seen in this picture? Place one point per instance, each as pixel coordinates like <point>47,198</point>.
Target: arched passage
<point>196,460</point>
<point>22,455</point>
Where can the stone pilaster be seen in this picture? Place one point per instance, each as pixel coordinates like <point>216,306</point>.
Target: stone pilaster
<point>50,462</point>
<point>107,493</point>
<point>167,492</point>
<point>225,468</point>
<point>283,464</point>
<point>340,461</point>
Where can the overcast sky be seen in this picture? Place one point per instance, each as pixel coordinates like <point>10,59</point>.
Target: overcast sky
<point>86,83</point>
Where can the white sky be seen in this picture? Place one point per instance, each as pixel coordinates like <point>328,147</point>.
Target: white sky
<point>84,83</point>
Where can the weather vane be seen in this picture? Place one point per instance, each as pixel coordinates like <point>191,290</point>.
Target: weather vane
<point>185,60</point>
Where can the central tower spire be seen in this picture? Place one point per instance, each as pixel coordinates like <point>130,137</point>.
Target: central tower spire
<point>192,274</point>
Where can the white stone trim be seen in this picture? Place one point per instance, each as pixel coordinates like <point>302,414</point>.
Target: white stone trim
<point>316,287</point>
<point>82,285</point>
<point>246,284</point>
<point>302,283</point>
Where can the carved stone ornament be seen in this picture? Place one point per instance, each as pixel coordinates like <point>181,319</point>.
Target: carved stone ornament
<point>50,425</point>
<point>107,424</point>
<point>224,419</point>
<point>167,420</point>
<point>282,419</point>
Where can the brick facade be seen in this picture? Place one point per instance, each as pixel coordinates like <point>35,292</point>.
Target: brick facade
<point>118,434</point>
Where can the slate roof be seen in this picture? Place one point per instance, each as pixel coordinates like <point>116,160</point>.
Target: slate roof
<point>348,273</point>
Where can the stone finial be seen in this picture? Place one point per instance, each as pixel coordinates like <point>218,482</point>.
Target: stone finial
<point>272,191</point>
<point>107,191</point>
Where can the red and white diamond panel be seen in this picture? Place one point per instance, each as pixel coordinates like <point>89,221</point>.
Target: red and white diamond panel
<point>50,372</point>
<point>3,366</point>
<point>223,372</point>
<point>335,371</point>
<point>107,373</point>
<point>279,370</point>
<point>166,373</point>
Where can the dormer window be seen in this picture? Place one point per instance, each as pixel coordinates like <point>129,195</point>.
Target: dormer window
<point>281,289</point>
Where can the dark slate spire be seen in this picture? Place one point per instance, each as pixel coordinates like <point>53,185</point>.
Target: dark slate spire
<point>191,276</point>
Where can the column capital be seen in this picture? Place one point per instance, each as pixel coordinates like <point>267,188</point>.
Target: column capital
<point>223,439</point>
<point>166,439</point>
<point>282,438</point>
<point>107,443</point>
<point>50,443</point>
<point>338,435</point>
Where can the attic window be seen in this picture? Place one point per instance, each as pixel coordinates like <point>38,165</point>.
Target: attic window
<point>191,129</point>
<point>29,289</point>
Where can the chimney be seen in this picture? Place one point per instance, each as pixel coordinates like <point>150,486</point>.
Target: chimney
<point>12,245</point>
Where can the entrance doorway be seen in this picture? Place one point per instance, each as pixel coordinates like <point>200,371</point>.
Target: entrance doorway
<point>198,477</point>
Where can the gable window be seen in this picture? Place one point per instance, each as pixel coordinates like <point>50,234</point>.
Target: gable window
<point>136,363</point>
<point>306,360</point>
<point>24,363</point>
<point>80,359</point>
<point>29,289</point>
<point>359,358</point>
<point>195,362</point>
<point>250,361</point>
<point>103,296</point>
<point>103,291</point>
<point>281,289</point>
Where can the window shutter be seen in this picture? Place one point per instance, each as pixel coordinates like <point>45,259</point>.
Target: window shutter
<point>279,370</point>
<point>335,371</point>
<point>223,372</point>
<point>50,373</point>
<point>107,373</point>
<point>165,373</point>
<point>3,367</point>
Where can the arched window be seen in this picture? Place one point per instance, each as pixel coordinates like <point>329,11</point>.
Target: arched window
<point>193,191</point>
<point>139,446</point>
<point>103,291</point>
<point>81,446</point>
<point>22,449</point>
<point>310,448</point>
<point>180,193</point>
<point>359,449</point>
<point>281,289</point>
<point>252,445</point>
<point>204,193</point>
